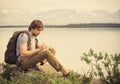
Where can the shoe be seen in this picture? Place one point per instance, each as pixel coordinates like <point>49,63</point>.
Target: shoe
<point>72,74</point>
<point>66,75</point>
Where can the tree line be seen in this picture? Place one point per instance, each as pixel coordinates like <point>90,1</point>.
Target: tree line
<point>71,25</point>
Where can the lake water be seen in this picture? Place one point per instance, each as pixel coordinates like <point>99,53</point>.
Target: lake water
<point>71,43</point>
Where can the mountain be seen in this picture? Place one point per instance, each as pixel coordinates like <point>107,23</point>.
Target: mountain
<point>59,17</point>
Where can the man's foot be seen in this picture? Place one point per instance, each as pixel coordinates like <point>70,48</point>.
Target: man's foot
<point>72,74</point>
<point>67,74</point>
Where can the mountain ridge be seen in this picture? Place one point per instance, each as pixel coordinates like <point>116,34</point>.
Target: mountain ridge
<point>59,17</point>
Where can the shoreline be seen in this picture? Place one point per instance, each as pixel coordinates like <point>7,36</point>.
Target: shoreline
<point>80,25</point>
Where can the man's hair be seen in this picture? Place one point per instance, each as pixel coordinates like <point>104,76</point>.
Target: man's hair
<point>35,24</point>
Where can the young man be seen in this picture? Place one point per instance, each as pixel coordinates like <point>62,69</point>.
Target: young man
<point>28,58</point>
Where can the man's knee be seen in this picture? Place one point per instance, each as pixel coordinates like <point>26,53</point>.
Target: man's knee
<point>48,53</point>
<point>52,50</point>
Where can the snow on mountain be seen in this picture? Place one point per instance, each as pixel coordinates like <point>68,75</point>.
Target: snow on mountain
<point>59,17</point>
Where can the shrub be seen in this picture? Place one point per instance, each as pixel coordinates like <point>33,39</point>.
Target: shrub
<point>104,66</point>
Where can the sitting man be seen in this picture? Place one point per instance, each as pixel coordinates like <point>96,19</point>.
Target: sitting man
<point>37,52</point>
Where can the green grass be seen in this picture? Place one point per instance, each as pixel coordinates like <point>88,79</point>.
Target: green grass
<point>8,76</point>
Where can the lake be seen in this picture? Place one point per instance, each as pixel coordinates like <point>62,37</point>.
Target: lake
<point>71,43</point>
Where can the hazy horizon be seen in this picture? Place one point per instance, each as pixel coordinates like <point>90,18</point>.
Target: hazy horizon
<point>59,12</point>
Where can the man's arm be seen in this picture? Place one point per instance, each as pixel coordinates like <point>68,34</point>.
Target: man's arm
<point>22,45</point>
<point>24,52</point>
<point>42,45</point>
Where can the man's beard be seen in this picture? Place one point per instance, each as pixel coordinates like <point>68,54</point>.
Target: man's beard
<point>34,34</point>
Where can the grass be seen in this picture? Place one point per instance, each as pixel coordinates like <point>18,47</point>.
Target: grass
<point>10,76</point>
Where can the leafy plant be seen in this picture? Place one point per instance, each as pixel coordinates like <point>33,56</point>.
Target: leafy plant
<point>107,66</point>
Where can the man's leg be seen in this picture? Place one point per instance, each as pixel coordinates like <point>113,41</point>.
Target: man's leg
<point>48,55</point>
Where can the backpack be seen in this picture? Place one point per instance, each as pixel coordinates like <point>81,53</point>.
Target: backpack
<point>10,53</point>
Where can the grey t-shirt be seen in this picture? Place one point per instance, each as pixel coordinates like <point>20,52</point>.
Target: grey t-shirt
<point>22,40</point>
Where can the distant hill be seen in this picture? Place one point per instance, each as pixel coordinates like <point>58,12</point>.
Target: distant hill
<point>59,17</point>
<point>81,25</point>
<point>89,25</point>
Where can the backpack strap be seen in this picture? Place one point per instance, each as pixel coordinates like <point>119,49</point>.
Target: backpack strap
<point>36,42</point>
<point>29,39</point>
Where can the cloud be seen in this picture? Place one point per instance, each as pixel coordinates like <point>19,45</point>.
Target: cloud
<point>58,17</point>
<point>14,17</point>
<point>4,11</point>
<point>45,5</point>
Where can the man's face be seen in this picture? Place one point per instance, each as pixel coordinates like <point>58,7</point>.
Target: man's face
<point>37,31</point>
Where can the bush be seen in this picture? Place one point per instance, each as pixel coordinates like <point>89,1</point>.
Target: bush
<point>104,66</point>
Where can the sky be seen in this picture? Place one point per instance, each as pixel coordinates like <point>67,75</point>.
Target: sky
<point>34,6</point>
<point>84,11</point>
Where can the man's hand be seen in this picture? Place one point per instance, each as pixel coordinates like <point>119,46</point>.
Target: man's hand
<point>42,47</point>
